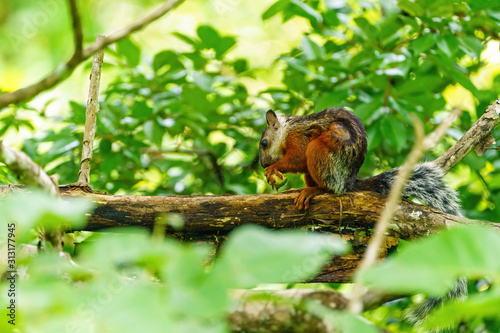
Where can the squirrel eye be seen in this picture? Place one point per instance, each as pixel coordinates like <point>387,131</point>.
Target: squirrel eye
<point>264,143</point>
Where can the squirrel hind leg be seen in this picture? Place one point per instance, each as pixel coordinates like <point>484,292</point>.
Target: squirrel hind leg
<point>306,194</point>
<point>308,179</point>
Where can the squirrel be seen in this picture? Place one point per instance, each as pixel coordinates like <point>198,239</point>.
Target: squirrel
<point>329,148</point>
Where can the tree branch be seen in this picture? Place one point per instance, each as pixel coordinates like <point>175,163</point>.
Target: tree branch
<point>26,170</point>
<point>210,218</point>
<point>64,70</point>
<point>478,133</point>
<point>77,30</point>
<point>90,117</point>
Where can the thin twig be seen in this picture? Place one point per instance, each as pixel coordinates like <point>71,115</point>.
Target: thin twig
<point>64,70</point>
<point>77,30</point>
<point>91,116</point>
<point>394,198</point>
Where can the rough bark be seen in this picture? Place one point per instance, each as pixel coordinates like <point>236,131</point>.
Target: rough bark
<point>208,215</point>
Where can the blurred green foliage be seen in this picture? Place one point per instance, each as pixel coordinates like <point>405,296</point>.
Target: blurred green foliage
<point>434,264</point>
<point>186,123</point>
<point>131,281</point>
<point>189,121</point>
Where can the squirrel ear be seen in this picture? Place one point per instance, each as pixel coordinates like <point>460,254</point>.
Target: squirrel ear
<point>271,118</point>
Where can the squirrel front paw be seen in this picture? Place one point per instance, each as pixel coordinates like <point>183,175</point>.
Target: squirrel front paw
<point>305,195</point>
<point>270,171</point>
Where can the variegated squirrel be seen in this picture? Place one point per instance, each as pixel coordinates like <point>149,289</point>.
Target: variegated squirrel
<point>329,148</point>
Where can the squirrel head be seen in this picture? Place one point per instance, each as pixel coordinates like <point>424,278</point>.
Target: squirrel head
<point>270,146</point>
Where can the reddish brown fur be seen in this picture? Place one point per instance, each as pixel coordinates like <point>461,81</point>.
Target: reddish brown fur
<point>328,147</point>
<point>316,155</point>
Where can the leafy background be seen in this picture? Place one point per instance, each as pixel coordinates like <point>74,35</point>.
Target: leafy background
<point>187,119</point>
<point>183,102</point>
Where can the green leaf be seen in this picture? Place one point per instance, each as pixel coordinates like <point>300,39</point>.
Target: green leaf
<point>6,176</point>
<point>167,58</point>
<point>463,80</point>
<point>210,39</point>
<point>275,8</point>
<point>44,210</point>
<point>255,255</point>
<point>366,110</point>
<point>396,132</point>
<point>195,97</point>
<point>304,10</point>
<point>342,321</point>
<point>199,62</point>
<point>299,65</point>
<point>483,305</point>
<point>471,45</point>
<point>312,51</point>
<point>419,84</point>
<point>78,113</point>
<point>332,99</point>
<point>388,130</point>
<point>208,35</point>
<point>111,162</point>
<point>141,110</point>
<point>187,39</point>
<point>424,43</point>
<point>154,132</point>
<point>366,27</point>
<point>240,66</point>
<point>224,45</point>
<point>448,44</point>
<point>130,51</point>
<point>193,292</point>
<point>463,251</point>
<point>412,8</point>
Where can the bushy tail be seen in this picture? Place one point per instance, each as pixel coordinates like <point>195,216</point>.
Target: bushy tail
<point>427,186</point>
<point>417,314</point>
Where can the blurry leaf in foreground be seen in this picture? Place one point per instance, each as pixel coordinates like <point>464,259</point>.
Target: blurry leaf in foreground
<point>253,255</point>
<point>28,210</point>
<point>343,322</point>
<point>482,305</point>
<point>432,265</point>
